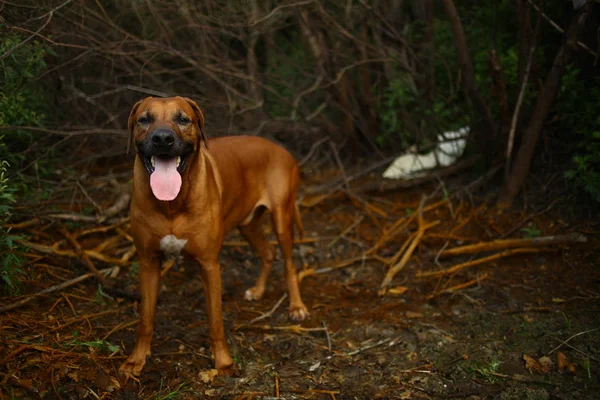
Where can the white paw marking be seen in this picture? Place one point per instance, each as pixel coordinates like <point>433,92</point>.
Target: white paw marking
<point>251,295</point>
<point>171,245</point>
<point>299,314</point>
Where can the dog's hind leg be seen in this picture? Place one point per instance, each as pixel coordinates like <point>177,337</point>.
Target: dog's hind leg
<point>283,217</point>
<point>254,235</point>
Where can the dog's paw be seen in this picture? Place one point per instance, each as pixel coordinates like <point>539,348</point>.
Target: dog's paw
<point>132,367</point>
<point>254,293</point>
<point>299,313</point>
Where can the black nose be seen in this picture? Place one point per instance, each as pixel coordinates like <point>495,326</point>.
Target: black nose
<point>162,138</point>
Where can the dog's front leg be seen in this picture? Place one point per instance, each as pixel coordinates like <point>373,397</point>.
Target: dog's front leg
<point>149,281</point>
<point>211,280</point>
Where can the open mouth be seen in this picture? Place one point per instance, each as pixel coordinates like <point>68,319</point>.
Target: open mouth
<point>165,174</point>
<point>180,162</point>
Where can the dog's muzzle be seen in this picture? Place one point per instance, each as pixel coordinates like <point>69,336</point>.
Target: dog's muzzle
<point>165,156</point>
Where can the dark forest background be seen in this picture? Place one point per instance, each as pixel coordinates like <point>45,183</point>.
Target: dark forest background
<point>374,76</point>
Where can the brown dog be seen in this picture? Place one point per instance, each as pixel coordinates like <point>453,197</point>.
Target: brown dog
<point>186,197</point>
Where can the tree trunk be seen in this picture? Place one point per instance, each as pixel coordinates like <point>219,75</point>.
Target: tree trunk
<point>522,164</point>
<point>253,70</point>
<point>500,91</point>
<point>367,103</point>
<point>525,34</point>
<point>424,11</point>
<point>486,141</point>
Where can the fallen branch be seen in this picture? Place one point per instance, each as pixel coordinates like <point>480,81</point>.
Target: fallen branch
<point>120,204</point>
<point>458,287</point>
<point>477,261</point>
<point>292,328</point>
<point>367,347</point>
<point>54,289</point>
<point>411,248</point>
<point>502,244</point>
<point>388,185</point>
<point>340,264</point>
<point>68,253</point>
<point>84,257</point>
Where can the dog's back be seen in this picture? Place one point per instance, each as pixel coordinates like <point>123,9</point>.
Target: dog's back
<point>264,173</point>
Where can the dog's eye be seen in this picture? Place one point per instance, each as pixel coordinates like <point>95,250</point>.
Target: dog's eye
<point>181,120</point>
<point>145,120</point>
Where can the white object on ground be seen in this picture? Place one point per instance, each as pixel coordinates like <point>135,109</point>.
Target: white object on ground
<point>412,165</point>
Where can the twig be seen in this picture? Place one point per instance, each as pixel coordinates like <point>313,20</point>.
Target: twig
<point>54,289</point>
<point>271,311</point>
<point>475,262</point>
<point>569,339</point>
<point>312,150</point>
<point>367,347</point>
<point>292,328</point>
<point>82,318</point>
<point>458,287</point>
<point>529,218</point>
<point>561,30</point>
<point>573,238</point>
<point>346,231</point>
<point>49,14</point>
<point>340,264</point>
<point>328,337</point>
<point>120,204</point>
<point>522,378</point>
<point>577,350</point>
<point>389,185</point>
<point>280,7</point>
<point>67,253</point>
<point>84,257</point>
<point>515,117</point>
<point>244,243</point>
<point>411,248</point>
<point>87,196</point>
<point>339,164</point>
<point>72,217</point>
<point>167,265</point>
<point>331,188</point>
<point>122,325</point>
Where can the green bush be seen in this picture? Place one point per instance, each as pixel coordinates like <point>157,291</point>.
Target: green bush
<point>23,102</point>
<point>580,124</point>
<point>10,270</point>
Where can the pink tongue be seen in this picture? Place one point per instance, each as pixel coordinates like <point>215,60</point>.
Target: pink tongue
<point>165,181</point>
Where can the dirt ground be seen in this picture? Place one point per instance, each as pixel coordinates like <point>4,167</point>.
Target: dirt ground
<point>519,327</point>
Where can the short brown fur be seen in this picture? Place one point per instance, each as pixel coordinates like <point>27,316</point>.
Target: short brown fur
<point>225,187</point>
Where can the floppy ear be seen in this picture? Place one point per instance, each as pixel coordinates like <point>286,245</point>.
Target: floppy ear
<point>200,118</point>
<point>131,122</point>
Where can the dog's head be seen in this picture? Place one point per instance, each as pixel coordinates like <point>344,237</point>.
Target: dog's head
<point>166,132</point>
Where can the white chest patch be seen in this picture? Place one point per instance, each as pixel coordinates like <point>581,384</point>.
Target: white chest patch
<point>171,245</point>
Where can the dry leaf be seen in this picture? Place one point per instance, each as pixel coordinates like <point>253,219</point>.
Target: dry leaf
<point>113,384</point>
<point>74,375</point>
<point>528,319</point>
<point>398,290</point>
<point>412,314</point>
<point>563,362</point>
<point>546,362</point>
<point>530,363</point>
<point>535,366</point>
<point>207,376</point>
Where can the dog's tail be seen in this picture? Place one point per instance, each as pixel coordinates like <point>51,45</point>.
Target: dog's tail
<point>298,221</point>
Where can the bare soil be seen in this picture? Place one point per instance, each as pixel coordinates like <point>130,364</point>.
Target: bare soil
<point>417,340</point>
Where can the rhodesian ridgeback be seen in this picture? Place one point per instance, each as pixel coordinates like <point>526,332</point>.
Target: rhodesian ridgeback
<point>188,192</point>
